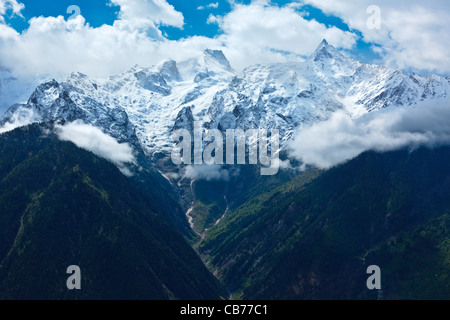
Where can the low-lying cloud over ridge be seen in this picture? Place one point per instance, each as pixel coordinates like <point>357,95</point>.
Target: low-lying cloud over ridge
<point>342,138</point>
<point>210,172</point>
<point>93,139</point>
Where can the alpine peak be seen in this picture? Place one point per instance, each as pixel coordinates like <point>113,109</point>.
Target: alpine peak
<point>324,51</point>
<point>218,56</point>
<point>169,71</point>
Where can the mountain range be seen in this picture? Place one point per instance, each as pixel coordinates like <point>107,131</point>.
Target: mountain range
<point>142,106</point>
<point>139,221</point>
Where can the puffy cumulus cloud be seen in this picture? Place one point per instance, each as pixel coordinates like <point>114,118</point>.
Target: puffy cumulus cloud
<point>412,33</point>
<point>254,33</point>
<point>342,138</point>
<point>212,19</point>
<point>10,5</point>
<point>263,33</point>
<point>55,46</point>
<point>93,139</point>
<point>149,12</point>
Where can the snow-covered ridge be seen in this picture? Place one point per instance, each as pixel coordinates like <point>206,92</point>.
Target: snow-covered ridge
<point>142,106</point>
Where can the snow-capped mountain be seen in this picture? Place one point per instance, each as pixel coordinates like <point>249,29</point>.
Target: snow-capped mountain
<point>144,105</point>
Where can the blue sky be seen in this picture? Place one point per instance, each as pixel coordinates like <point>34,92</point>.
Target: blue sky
<point>96,12</point>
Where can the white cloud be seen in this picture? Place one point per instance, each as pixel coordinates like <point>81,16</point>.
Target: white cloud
<point>10,5</point>
<point>412,33</point>
<point>83,136</point>
<point>210,172</point>
<point>254,33</point>
<point>207,172</point>
<point>93,139</point>
<point>213,5</point>
<point>262,33</point>
<point>148,12</point>
<point>21,118</point>
<point>212,19</point>
<point>342,138</point>
<point>55,46</point>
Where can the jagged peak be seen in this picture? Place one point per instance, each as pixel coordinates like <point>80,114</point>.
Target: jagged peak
<point>45,92</point>
<point>135,68</point>
<point>214,53</point>
<point>167,63</point>
<point>48,84</point>
<point>77,75</point>
<point>218,56</point>
<point>325,51</point>
<point>169,70</point>
<point>324,43</point>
